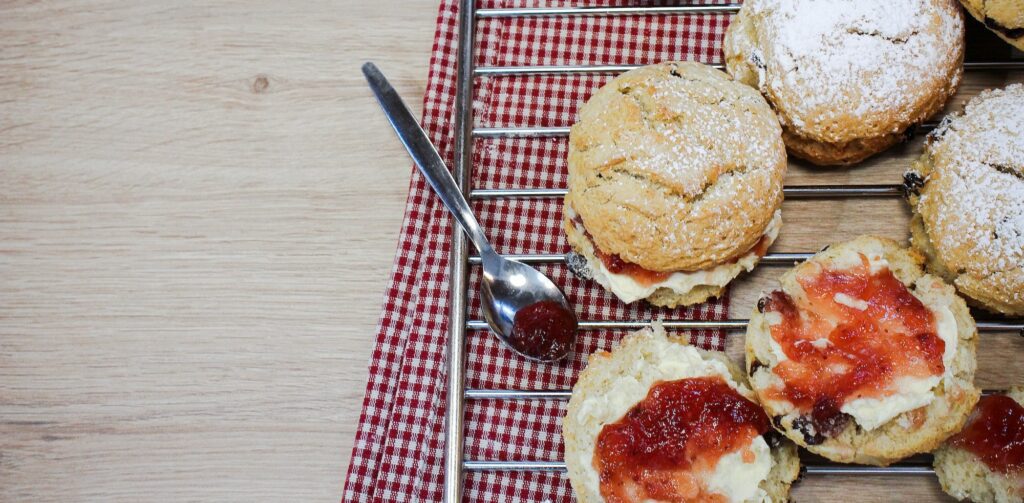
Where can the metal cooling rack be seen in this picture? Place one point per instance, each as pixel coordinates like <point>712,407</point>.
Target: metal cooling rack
<point>454,465</point>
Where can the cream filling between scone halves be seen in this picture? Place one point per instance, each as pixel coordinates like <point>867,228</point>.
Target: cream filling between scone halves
<point>629,290</point>
<point>733,478</point>
<point>906,393</point>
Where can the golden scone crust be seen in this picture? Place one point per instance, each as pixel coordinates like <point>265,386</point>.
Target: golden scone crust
<point>914,431</point>
<point>967,194</point>
<point>964,476</point>
<point>634,358</point>
<point>1004,17</point>
<point>675,167</point>
<point>848,79</point>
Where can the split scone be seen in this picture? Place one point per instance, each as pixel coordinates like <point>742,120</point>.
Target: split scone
<point>861,357</point>
<point>675,183</point>
<point>1004,17</point>
<point>659,420</point>
<point>848,78</point>
<point>985,461</point>
<point>967,194</point>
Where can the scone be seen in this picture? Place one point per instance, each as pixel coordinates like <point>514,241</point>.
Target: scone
<point>675,183</point>
<point>861,357</point>
<point>659,420</point>
<point>1004,17</point>
<point>985,461</point>
<point>848,78</point>
<point>967,194</point>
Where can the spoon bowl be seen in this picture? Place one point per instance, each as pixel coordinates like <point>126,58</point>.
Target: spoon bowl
<point>526,310</point>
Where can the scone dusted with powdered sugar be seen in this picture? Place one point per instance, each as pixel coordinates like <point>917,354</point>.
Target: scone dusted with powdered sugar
<point>985,461</point>
<point>967,194</point>
<point>861,357</point>
<point>848,78</point>
<point>656,419</point>
<point>675,183</point>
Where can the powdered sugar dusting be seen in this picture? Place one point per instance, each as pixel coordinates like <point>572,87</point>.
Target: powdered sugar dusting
<point>697,126</point>
<point>853,59</point>
<point>980,157</point>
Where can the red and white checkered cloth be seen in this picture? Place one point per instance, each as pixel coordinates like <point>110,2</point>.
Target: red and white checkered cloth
<point>399,447</point>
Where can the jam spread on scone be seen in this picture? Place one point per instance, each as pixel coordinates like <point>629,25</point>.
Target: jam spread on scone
<point>995,434</point>
<point>855,334</point>
<point>616,265</point>
<point>679,431</point>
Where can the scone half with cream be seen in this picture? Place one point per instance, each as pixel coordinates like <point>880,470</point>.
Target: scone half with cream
<point>985,461</point>
<point>656,419</point>
<point>967,195</point>
<point>675,183</point>
<point>861,357</point>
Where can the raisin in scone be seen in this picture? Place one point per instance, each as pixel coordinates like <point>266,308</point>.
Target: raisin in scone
<point>967,194</point>
<point>1004,17</point>
<point>675,183</point>
<point>658,420</point>
<point>848,78</point>
<point>861,357</point>
<point>985,461</point>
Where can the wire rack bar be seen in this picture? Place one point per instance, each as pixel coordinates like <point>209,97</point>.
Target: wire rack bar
<point>562,132</point>
<point>539,258</point>
<point>563,394</point>
<point>492,71</point>
<point>733,324</point>
<point>457,270</point>
<point>816,469</point>
<point>791,192</point>
<point>499,71</point>
<point>606,11</point>
<point>521,132</point>
<point>517,394</point>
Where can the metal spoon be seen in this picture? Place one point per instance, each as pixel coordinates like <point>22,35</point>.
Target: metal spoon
<point>523,307</point>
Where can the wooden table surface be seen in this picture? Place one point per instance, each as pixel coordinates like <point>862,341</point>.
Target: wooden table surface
<point>199,204</point>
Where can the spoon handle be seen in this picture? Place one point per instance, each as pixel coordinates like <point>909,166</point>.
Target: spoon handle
<point>425,156</point>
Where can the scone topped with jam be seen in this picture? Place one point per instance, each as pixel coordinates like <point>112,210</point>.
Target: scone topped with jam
<point>675,183</point>
<point>658,420</point>
<point>861,357</point>
<point>967,194</point>
<point>848,78</point>
<point>985,461</point>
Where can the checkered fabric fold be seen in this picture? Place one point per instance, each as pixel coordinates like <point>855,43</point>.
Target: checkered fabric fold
<point>399,447</point>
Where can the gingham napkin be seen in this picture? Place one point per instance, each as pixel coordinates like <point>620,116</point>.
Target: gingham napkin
<point>399,447</point>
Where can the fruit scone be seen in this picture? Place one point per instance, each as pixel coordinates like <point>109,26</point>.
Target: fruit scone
<point>848,78</point>
<point>861,357</point>
<point>1004,17</point>
<point>985,461</point>
<point>656,419</point>
<point>967,195</point>
<point>675,183</point>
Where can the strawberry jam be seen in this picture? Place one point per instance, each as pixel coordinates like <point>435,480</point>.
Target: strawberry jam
<point>544,330</point>
<point>854,347</point>
<point>663,445</point>
<point>616,265</point>
<point>995,433</point>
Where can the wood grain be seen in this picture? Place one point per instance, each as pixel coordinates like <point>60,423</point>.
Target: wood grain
<point>198,211</point>
<point>199,203</point>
